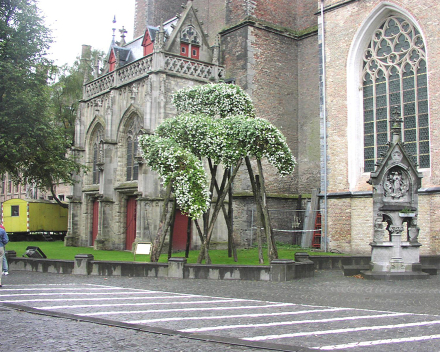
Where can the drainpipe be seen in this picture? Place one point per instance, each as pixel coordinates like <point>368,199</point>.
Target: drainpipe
<point>324,117</point>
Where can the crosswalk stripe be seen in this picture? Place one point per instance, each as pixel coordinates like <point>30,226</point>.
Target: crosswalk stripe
<point>188,309</point>
<point>97,299</point>
<point>376,342</point>
<point>339,331</point>
<point>294,322</point>
<point>257,315</point>
<point>139,304</point>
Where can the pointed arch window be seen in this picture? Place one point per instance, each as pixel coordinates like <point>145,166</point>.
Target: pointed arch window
<point>97,156</point>
<point>95,164</point>
<point>132,164</point>
<point>132,134</point>
<point>394,74</point>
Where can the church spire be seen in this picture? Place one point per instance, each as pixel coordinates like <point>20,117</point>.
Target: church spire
<point>114,29</point>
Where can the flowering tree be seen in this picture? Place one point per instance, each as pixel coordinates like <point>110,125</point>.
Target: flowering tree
<point>216,122</point>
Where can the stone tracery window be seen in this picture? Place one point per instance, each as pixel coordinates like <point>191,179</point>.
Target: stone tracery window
<point>190,42</point>
<point>132,150</point>
<point>394,74</point>
<point>132,165</point>
<point>98,154</point>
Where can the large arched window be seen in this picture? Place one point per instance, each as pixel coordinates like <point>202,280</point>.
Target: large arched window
<point>394,75</point>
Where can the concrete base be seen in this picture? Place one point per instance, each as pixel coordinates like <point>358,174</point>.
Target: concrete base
<point>386,275</point>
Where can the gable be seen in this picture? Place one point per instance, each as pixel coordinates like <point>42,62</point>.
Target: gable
<point>188,35</point>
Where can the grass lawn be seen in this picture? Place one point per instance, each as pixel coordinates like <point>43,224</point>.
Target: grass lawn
<point>57,250</point>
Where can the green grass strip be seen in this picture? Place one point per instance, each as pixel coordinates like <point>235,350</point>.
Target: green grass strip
<point>57,250</point>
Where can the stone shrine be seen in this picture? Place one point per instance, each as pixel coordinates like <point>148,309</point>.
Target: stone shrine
<point>396,180</point>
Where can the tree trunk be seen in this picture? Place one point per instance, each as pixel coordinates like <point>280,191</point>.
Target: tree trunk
<point>230,224</point>
<point>224,188</point>
<point>173,218</point>
<point>155,251</point>
<point>55,197</point>
<point>257,198</point>
<point>271,245</point>
<point>188,237</point>
<point>221,201</point>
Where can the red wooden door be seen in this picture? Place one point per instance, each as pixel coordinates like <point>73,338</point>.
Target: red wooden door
<point>180,231</point>
<point>95,221</point>
<point>131,223</point>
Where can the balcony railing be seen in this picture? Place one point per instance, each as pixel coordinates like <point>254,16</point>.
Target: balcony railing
<point>143,67</point>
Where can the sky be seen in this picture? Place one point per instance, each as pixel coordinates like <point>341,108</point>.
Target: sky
<point>74,23</point>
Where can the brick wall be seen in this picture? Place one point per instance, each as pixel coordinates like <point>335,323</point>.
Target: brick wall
<point>342,25</point>
<point>308,153</point>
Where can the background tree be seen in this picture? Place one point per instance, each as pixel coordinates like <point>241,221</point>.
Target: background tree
<point>33,143</point>
<point>67,89</point>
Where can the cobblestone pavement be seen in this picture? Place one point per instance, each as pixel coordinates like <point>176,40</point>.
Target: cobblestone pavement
<point>67,313</point>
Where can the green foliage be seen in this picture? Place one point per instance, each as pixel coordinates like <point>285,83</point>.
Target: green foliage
<point>33,143</point>
<point>67,90</point>
<point>184,169</point>
<point>198,133</point>
<point>216,99</point>
<point>227,140</point>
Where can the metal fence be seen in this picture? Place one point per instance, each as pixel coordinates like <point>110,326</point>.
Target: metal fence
<point>296,227</point>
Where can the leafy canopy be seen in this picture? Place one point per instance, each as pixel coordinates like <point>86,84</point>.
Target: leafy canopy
<point>33,143</point>
<point>199,132</point>
<point>178,165</point>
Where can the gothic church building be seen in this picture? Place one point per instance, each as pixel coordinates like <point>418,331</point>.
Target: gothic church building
<point>326,72</point>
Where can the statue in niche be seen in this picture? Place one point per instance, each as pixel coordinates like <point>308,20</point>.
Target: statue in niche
<point>378,230</point>
<point>396,186</point>
<point>413,231</point>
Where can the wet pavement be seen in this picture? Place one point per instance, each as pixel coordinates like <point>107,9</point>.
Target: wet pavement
<point>56,312</point>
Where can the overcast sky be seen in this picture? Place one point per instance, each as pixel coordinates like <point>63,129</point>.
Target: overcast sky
<point>79,22</point>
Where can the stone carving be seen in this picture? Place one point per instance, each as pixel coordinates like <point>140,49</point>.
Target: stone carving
<point>378,230</point>
<point>413,231</point>
<point>396,185</point>
<point>396,156</point>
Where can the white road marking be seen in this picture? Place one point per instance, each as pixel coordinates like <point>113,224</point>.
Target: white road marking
<point>377,342</point>
<point>294,322</point>
<point>257,315</point>
<point>75,293</point>
<point>340,331</point>
<point>95,292</point>
<point>97,299</point>
<point>66,288</point>
<point>139,304</point>
<point>189,309</point>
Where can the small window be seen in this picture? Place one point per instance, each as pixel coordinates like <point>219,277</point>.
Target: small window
<point>183,50</point>
<point>61,197</point>
<point>15,210</point>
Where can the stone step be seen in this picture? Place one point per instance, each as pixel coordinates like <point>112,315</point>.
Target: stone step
<point>352,270</point>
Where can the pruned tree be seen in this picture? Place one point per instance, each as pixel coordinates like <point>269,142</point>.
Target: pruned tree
<point>211,130</point>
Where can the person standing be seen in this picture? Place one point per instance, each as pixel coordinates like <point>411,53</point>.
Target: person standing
<point>5,260</point>
<point>3,240</point>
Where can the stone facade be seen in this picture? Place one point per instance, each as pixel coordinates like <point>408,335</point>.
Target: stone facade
<point>266,47</point>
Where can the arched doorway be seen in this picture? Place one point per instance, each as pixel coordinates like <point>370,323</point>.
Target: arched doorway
<point>130,222</point>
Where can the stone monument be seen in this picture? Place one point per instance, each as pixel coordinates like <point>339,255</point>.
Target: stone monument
<point>395,246</point>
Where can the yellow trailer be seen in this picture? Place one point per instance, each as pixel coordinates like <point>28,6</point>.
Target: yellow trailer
<point>33,216</point>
